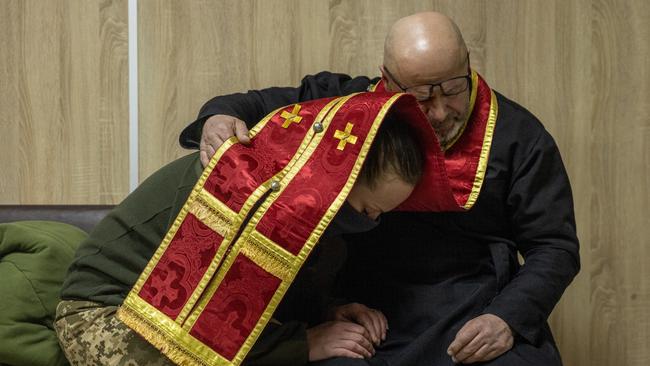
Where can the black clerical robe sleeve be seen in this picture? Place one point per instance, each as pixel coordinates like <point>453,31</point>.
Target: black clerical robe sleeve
<point>540,208</point>
<point>252,106</point>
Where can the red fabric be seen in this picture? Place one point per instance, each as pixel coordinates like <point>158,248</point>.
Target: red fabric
<point>238,303</point>
<point>296,212</point>
<point>448,177</point>
<point>463,157</point>
<point>236,307</point>
<point>433,192</point>
<point>181,267</point>
<point>242,168</point>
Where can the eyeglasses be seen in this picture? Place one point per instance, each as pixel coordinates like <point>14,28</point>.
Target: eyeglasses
<point>448,88</point>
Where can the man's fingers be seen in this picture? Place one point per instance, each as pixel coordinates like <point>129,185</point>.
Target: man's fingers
<point>343,352</point>
<point>384,325</point>
<point>358,334</point>
<point>469,349</point>
<point>210,150</point>
<point>333,339</point>
<point>479,355</point>
<point>356,328</point>
<point>463,337</point>
<point>241,131</point>
<point>367,320</point>
<point>207,151</point>
<point>484,330</point>
<point>492,354</point>
<point>372,324</point>
<point>380,324</point>
<point>204,158</point>
<point>360,340</point>
<point>356,348</point>
<point>379,329</point>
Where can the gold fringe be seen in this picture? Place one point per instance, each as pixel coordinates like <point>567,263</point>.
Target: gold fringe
<point>266,258</point>
<point>214,219</point>
<point>157,338</point>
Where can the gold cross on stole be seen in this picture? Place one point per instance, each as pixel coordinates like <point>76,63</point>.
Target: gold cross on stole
<point>292,117</point>
<point>346,136</point>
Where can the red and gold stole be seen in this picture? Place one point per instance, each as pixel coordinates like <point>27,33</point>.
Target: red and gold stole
<point>251,221</point>
<point>459,172</point>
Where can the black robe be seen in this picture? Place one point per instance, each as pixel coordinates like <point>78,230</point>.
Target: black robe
<point>432,272</point>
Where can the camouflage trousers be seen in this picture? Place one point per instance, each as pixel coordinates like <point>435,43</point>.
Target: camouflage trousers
<point>90,334</point>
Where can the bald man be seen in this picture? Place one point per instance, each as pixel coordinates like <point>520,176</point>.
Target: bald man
<point>449,284</point>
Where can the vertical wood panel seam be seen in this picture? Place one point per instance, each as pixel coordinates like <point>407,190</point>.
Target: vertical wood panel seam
<point>133,95</point>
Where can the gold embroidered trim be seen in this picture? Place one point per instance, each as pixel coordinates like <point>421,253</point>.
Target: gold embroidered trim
<point>159,329</point>
<point>291,170</point>
<point>216,221</point>
<point>158,338</point>
<point>261,324</point>
<point>322,225</point>
<point>470,109</point>
<point>291,117</point>
<point>352,177</point>
<point>236,218</point>
<point>283,176</point>
<point>266,255</point>
<point>485,152</point>
<point>213,213</point>
<point>166,335</point>
<point>345,137</point>
<point>220,218</point>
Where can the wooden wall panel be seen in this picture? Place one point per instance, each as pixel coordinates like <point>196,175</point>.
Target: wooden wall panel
<point>239,45</point>
<point>538,54</point>
<point>63,98</point>
<point>620,193</point>
<point>582,66</point>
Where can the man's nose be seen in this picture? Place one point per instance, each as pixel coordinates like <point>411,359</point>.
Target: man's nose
<point>435,109</point>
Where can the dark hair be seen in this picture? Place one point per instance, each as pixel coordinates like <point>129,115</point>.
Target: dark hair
<point>395,150</point>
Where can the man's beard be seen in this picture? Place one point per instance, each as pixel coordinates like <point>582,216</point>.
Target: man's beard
<point>455,125</point>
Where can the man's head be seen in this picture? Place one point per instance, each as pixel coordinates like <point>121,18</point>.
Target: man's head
<point>424,49</point>
<point>392,168</point>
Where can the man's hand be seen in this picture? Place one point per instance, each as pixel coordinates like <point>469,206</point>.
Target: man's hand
<point>216,130</point>
<point>373,320</point>
<point>338,339</point>
<point>481,339</point>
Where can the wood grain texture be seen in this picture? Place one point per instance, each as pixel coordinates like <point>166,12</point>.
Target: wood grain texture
<point>241,45</point>
<point>582,66</point>
<point>619,245</point>
<point>63,100</point>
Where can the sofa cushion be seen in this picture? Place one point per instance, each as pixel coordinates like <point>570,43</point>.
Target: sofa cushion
<point>34,258</point>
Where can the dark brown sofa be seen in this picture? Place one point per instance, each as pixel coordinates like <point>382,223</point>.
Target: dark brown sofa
<point>84,217</point>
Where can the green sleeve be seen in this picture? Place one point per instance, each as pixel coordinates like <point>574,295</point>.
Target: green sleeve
<point>34,256</point>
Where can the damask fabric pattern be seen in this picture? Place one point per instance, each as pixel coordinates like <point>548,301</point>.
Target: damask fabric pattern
<point>234,298</point>
<point>181,267</point>
<point>224,307</point>
<point>525,206</point>
<point>108,263</point>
